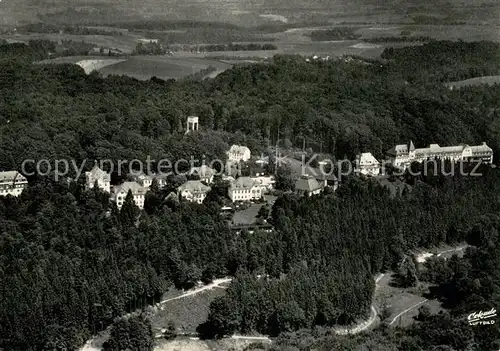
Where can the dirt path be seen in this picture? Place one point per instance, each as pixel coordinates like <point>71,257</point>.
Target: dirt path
<point>407,310</point>
<point>195,291</point>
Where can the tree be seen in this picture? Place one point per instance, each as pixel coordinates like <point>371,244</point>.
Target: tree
<point>134,333</point>
<point>424,312</point>
<point>129,210</point>
<point>171,330</point>
<point>264,212</point>
<point>153,198</point>
<point>284,179</point>
<point>407,272</point>
<point>222,320</point>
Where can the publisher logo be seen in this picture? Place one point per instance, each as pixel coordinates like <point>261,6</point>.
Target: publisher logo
<point>482,317</point>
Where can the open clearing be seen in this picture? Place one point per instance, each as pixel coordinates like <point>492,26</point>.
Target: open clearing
<point>188,313</point>
<point>403,303</point>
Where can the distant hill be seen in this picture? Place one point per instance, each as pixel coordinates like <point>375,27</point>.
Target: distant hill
<point>244,12</point>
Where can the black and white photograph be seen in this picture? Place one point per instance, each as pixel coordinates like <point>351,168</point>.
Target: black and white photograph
<point>249,175</point>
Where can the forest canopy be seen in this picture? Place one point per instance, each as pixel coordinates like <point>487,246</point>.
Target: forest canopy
<point>70,261</point>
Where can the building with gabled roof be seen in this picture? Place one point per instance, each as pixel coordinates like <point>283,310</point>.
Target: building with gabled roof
<point>367,164</point>
<point>308,185</point>
<point>120,193</point>
<point>193,190</point>
<point>12,183</point>
<point>245,189</point>
<point>205,173</point>
<point>102,178</point>
<point>238,153</point>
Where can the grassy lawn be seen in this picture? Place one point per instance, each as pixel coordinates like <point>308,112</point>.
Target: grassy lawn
<point>400,299</point>
<point>247,216</point>
<point>187,313</point>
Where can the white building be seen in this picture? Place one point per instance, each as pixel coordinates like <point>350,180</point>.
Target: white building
<point>205,173</point>
<point>12,183</point>
<point>238,153</point>
<point>102,178</point>
<point>120,193</point>
<point>403,155</point>
<point>194,191</point>
<point>308,185</point>
<point>265,182</point>
<point>367,164</point>
<point>146,180</point>
<point>192,124</point>
<point>244,189</point>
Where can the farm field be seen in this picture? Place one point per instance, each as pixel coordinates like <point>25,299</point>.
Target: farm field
<point>144,67</point>
<point>164,67</point>
<point>489,80</point>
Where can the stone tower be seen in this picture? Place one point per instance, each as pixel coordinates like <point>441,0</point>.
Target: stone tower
<point>192,124</point>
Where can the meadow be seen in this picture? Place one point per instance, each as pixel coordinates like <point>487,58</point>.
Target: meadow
<point>164,67</point>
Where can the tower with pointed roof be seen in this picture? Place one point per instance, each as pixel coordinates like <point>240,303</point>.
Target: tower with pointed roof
<point>411,150</point>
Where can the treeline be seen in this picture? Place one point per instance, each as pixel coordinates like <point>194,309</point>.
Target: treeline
<point>331,246</point>
<point>201,74</point>
<point>446,60</point>
<point>74,30</point>
<point>403,38</point>
<point>236,47</point>
<point>152,48</point>
<point>338,33</point>
<point>424,19</point>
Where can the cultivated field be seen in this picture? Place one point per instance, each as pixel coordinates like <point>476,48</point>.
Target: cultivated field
<point>164,67</point>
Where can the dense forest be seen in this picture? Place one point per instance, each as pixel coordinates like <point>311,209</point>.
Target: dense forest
<point>71,262</point>
<point>344,107</point>
<point>333,245</point>
<point>463,285</point>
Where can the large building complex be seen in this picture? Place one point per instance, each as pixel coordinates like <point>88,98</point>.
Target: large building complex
<point>403,155</point>
<point>12,183</point>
